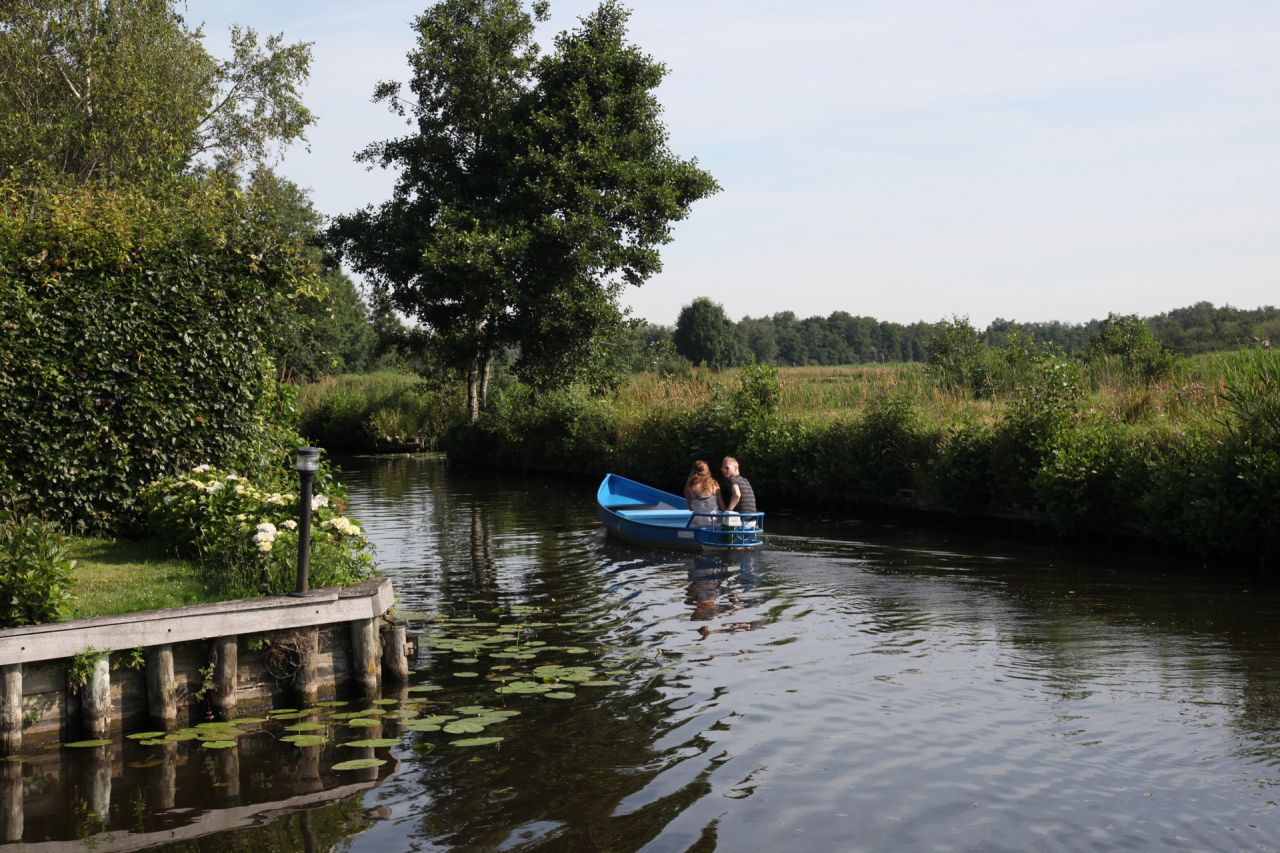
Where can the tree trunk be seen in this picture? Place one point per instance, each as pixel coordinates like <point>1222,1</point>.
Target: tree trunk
<point>473,394</point>
<point>486,370</point>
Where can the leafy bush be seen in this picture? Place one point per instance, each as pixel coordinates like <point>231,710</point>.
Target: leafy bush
<point>958,359</point>
<point>245,537</point>
<point>131,342</point>
<point>960,475</point>
<point>1128,338</point>
<point>1025,436</point>
<point>35,571</point>
<point>368,411</point>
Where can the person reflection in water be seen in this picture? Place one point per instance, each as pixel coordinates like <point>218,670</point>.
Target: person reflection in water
<point>703,494</point>
<point>713,594</point>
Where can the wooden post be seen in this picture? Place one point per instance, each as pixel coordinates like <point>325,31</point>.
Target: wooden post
<point>96,702</point>
<point>11,780</point>
<point>364,657</point>
<point>225,671</point>
<point>162,687</point>
<point>395,665</point>
<point>11,709</point>
<point>229,770</point>
<point>306,686</point>
<point>164,777</point>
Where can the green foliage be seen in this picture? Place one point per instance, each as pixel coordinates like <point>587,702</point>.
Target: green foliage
<point>960,476</point>
<point>369,411</point>
<point>35,570</point>
<point>245,536</point>
<point>135,659</point>
<point>1253,394</point>
<point>1129,339</point>
<point>705,335</point>
<point>126,92</point>
<point>530,192</point>
<point>81,668</point>
<point>957,357</point>
<point>133,342</point>
<point>1024,439</point>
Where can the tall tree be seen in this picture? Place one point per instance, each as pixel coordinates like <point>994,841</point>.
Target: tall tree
<point>530,192</point>
<point>706,335</point>
<point>123,91</point>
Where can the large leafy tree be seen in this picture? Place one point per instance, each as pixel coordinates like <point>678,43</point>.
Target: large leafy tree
<point>125,91</point>
<point>531,191</point>
<point>705,335</point>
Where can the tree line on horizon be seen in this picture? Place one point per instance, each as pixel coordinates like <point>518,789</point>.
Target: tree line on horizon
<point>704,334</point>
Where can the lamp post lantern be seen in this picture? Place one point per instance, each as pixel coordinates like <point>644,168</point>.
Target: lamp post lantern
<point>307,463</point>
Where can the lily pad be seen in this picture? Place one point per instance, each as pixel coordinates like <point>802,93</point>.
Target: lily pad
<point>386,701</point>
<point>336,703</point>
<point>464,727</point>
<point>375,742</point>
<point>425,688</point>
<point>275,712</point>
<point>424,748</point>
<point>363,723</point>
<point>466,660</point>
<point>86,744</point>
<point>305,740</point>
<point>145,735</point>
<point>217,744</point>
<point>467,674</point>
<point>477,741</point>
<point>599,682</point>
<point>560,694</point>
<point>471,709</point>
<point>305,727</point>
<point>421,726</point>
<point>156,742</point>
<point>359,764</point>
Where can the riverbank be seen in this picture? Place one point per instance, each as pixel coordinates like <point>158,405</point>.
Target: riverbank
<point>1189,462</point>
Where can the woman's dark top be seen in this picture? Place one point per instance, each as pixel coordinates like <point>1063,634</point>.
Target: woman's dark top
<point>703,504</point>
<point>746,503</point>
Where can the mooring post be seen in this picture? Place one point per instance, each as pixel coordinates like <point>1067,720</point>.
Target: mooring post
<point>306,686</point>
<point>163,777</point>
<point>96,705</point>
<point>229,771</point>
<point>11,709</point>
<point>364,657</point>
<point>162,687</point>
<point>395,664</point>
<point>226,668</point>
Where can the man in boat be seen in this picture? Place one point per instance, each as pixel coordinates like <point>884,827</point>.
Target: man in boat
<point>738,495</point>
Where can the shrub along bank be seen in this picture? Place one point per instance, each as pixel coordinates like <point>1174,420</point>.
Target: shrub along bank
<point>1191,460</point>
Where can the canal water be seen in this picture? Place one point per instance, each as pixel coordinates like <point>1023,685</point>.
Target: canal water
<point>853,686</point>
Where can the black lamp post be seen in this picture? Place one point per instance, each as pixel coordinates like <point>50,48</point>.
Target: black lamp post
<point>307,463</point>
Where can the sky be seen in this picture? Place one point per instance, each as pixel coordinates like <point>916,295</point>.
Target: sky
<point>902,159</point>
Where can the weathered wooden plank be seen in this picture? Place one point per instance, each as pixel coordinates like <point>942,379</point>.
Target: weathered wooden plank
<point>162,687</point>
<point>205,621</point>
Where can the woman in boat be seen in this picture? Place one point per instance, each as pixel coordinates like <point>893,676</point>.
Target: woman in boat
<point>703,494</point>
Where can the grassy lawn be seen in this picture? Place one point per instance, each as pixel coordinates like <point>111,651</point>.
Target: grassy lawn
<point>116,576</point>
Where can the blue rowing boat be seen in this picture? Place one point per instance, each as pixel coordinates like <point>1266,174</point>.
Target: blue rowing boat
<point>643,515</point>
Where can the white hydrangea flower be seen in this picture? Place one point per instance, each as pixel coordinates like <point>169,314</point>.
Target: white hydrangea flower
<point>343,525</point>
<point>168,499</point>
<point>319,501</point>
<point>290,524</point>
<point>200,469</point>
<point>213,487</point>
<point>277,499</point>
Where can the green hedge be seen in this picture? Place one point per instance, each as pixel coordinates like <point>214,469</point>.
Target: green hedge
<point>132,342</point>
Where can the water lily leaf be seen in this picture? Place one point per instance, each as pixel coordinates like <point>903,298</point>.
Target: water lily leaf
<point>424,748</point>
<point>467,674</point>
<point>364,722</point>
<point>476,741</point>
<point>336,703</point>
<point>375,742</point>
<point>561,695</point>
<point>464,727</point>
<point>421,726</point>
<point>305,727</point>
<point>292,715</point>
<point>180,736</point>
<point>157,742</point>
<point>471,709</point>
<point>598,682</point>
<point>86,744</point>
<point>359,764</point>
<point>305,740</point>
<point>425,688</point>
<point>577,650</point>
<point>502,667</point>
<point>145,735</point>
<point>247,721</point>
<point>466,660</point>
<point>386,701</point>
<point>217,744</point>
<point>277,711</point>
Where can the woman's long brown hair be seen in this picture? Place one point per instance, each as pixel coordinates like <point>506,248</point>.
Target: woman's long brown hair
<point>700,480</point>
